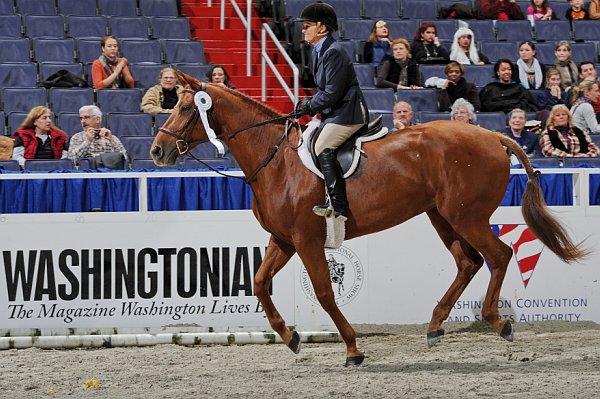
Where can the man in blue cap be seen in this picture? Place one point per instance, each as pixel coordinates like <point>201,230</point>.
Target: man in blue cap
<point>338,98</point>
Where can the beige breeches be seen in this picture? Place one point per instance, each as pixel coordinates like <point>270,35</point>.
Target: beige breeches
<point>334,136</point>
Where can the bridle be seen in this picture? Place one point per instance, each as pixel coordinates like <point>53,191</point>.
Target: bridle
<point>183,144</point>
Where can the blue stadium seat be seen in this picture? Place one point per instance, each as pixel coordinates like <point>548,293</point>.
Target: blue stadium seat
<point>10,26</point>
<point>148,164</point>
<point>445,29</point>
<point>138,147</point>
<point>45,26</point>
<point>18,74</point>
<point>7,7</point>
<point>48,164</point>
<point>551,162</point>
<point>551,30</point>
<point>497,50</point>
<point>356,29</point>
<point>15,50</point>
<point>88,50</point>
<point>483,29</point>
<point>180,51</point>
<point>447,3</point>
<point>159,120</point>
<point>382,9</point>
<point>584,51</point>
<point>346,8</point>
<point>420,99</point>
<point>197,71</point>
<point>48,68</point>
<point>129,27</point>
<point>127,124</point>
<point>190,163</point>
<point>158,8</point>
<point>379,100</point>
<point>366,75</point>
<point>146,75</point>
<point>2,123</point>
<point>36,7</point>
<point>170,28</point>
<point>402,28</point>
<point>349,47</point>
<point>10,165</point>
<point>425,117</point>
<point>491,120</point>
<point>524,5</point>
<point>544,52</point>
<point>53,50</point>
<point>480,75</point>
<point>294,8</point>
<point>122,100</point>
<point>516,31</point>
<point>87,26</point>
<point>122,8</point>
<point>22,99</point>
<point>387,118</point>
<point>428,71</point>
<point>559,7</point>
<point>141,51</point>
<point>69,122</point>
<point>78,7</point>
<point>418,9</point>
<point>69,99</point>
<point>14,119</point>
<point>572,162</point>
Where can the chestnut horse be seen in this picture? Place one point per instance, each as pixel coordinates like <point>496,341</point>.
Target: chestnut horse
<point>455,172</point>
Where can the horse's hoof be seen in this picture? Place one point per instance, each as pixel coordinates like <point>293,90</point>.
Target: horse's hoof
<point>354,361</point>
<point>435,336</point>
<point>294,343</point>
<point>507,332</point>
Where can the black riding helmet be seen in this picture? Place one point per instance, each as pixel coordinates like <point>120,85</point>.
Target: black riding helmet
<point>320,12</point>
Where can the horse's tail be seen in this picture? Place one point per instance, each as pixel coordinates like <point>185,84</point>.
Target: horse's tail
<point>537,215</point>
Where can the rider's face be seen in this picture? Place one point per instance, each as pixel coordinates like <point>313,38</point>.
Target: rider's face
<point>313,32</point>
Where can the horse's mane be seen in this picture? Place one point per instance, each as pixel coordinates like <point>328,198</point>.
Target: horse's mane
<point>271,112</point>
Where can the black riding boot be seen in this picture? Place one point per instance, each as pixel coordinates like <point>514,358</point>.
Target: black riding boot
<point>336,187</point>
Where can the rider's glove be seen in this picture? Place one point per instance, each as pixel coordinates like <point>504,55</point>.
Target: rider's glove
<point>303,107</point>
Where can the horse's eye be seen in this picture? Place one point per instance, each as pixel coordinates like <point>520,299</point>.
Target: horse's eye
<point>186,108</point>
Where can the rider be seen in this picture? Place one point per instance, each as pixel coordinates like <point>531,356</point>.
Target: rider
<point>338,98</point>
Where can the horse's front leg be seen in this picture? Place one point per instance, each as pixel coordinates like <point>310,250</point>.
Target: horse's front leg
<point>313,257</point>
<point>276,257</point>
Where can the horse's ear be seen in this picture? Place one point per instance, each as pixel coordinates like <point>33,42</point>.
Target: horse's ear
<point>186,79</point>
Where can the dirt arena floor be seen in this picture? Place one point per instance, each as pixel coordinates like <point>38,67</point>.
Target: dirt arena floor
<point>546,360</point>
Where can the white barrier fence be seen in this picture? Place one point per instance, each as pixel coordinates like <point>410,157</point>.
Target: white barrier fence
<point>191,272</point>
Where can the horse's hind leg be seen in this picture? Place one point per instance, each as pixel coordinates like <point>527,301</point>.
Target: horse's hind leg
<point>468,261</point>
<point>313,257</point>
<point>277,255</point>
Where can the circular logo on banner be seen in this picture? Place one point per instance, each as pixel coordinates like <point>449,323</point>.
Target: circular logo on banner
<point>346,273</point>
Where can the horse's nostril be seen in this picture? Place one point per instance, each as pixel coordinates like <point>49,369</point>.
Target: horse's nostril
<point>156,151</point>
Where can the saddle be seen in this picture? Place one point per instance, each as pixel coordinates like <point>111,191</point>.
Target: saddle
<point>348,154</point>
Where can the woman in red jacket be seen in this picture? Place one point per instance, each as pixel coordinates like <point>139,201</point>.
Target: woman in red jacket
<point>38,138</point>
<point>109,71</point>
<point>498,9</point>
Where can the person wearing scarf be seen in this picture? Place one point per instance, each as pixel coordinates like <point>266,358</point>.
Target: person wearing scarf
<point>565,64</point>
<point>562,139</point>
<point>400,72</point>
<point>463,48</point>
<point>456,87</point>
<point>584,117</point>
<point>109,71</point>
<point>531,72</point>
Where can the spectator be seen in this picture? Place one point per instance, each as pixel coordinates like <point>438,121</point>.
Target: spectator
<point>565,64</point>
<point>162,97</point>
<point>463,111</point>
<point>498,9</point>
<point>456,87</point>
<point>38,138</point>
<point>109,71</point>
<point>400,72</point>
<point>426,48</point>
<point>505,94</point>
<point>562,139</point>
<point>378,47</point>
<point>594,9</point>
<point>553,93</point>
<point>531,71</point>
<point>516,130</point>
<point>587,70</point>
<point>576,11</point>
<point>403,115</point>
<point>584,95</point>
<point>539,10</point>
<point>94,140</point>
<point>219,76</point>
<point>463,48</point>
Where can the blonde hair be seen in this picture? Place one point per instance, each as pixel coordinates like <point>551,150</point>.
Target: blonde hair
<point>33,115</point>
<point>557,108</point>
<point>551,71</point>
<point>162,71</point>
<point>563,43</point>
<point>581,88</point>
<point>404,42</point>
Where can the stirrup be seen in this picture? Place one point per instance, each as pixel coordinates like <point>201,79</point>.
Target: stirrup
<point>327,211</point>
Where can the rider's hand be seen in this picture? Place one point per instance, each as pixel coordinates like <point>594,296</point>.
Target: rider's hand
<point>303,107</point>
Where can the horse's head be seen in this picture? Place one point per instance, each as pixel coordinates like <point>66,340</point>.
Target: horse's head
<point>183,130</point>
